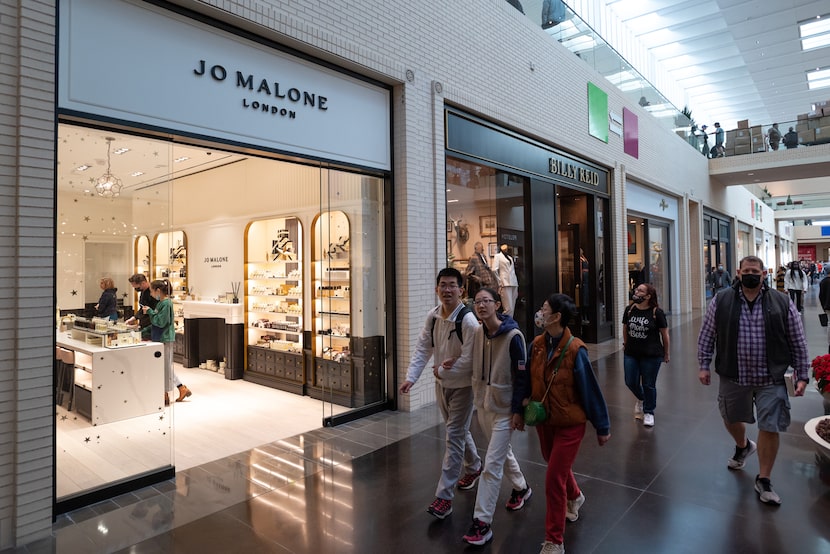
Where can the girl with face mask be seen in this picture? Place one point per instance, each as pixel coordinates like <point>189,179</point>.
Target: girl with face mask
<point>559,364</point>
<point>164,330</point>
<point>646,346</point>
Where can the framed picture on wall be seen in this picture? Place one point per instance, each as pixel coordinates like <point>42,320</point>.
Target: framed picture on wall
<point>487,225</point>
<point>632,238</point>
<point>449,226</point>
<point>492,249</point>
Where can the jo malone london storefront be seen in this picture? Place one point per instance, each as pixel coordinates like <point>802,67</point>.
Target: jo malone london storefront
<point>253,179</point>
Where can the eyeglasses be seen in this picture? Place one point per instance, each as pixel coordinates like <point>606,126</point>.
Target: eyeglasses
<point>483,301</point>
<point>447,287</point>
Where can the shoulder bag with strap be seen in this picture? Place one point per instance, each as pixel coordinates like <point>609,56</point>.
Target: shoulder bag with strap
<point>535,409</point>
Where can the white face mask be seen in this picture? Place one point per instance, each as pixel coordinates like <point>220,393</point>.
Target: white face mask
<point>539,320</point>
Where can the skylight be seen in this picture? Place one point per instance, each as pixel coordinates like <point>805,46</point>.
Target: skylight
<point>818,78</point>
<point>815,33</point>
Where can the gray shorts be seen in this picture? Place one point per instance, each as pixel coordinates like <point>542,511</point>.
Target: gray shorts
<point>770,402</point>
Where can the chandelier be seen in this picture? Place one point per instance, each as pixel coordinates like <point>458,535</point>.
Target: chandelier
<point>108,185</point>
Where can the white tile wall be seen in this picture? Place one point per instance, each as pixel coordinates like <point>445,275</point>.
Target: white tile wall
<point>26,269</point>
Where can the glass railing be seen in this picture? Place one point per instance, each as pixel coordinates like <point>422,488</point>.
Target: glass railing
<point>565,26</point>
<point>761,139</point>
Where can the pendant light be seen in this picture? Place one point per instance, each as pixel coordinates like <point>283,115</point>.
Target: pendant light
<point>108,185</point>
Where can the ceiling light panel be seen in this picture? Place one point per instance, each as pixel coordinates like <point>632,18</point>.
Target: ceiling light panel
<point>815,33</point>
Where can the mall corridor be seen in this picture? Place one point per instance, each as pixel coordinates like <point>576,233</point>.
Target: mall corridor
<point>365,487</point>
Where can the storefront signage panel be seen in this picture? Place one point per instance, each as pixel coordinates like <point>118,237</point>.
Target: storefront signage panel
<point>648,201</point>
<point>144,64</point>
<point>486,142</point>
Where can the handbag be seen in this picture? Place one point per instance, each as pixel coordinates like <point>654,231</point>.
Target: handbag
<point>535,410</point>
<point>822,318</point>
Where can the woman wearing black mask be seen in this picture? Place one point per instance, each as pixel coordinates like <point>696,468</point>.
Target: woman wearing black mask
<point>646,346</point>
<point>795,281</point>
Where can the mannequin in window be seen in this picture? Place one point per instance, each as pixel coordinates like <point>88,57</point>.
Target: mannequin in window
<point>505,270</point>
<point>478,273</point>
<point>585,268</point>
<point>636,276</point>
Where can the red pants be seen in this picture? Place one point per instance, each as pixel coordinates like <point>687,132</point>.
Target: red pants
<point>560,446</point>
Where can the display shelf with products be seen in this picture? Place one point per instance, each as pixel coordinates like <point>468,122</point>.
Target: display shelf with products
<point>170,262</point>
<point>274,304</point>
<point>332,309</point>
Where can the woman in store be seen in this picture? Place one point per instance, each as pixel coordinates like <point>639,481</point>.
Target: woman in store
<point>500,386</point>
<point>795,281</point>
<point>559,364</point>
<point>107,305</point>
<point>646,346</point>
<point>163,330</point>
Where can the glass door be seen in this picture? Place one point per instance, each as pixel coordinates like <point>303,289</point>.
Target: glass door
<point>658,241</point>
<point>575,259</point>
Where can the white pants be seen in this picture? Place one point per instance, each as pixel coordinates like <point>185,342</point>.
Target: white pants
<point>456,407</point>
<point>498,461</point>
<point>508,299</point>
<point>171,380</point>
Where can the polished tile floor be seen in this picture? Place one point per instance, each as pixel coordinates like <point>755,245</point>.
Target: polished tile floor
<point>365,486</point>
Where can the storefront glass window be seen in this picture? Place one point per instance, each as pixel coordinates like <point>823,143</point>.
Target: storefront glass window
<point>277,276</point>
<point>486,232</point>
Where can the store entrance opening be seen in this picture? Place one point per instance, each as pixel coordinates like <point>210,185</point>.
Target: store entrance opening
<point>289,255</point>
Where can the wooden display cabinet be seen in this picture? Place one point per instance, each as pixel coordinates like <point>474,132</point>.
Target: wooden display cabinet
<point>274,304</point>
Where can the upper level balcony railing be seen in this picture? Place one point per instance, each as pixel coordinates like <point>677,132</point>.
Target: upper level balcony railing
<point>565,26</point>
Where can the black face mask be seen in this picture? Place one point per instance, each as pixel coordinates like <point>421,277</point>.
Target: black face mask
<point>750,280</point>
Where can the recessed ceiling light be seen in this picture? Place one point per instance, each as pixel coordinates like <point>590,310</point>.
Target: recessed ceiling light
<point>183,158</point>
<point>814,33</point>
<point>136,173</point>
<point>120,151</point>
<point>819,78</point>
<point>82,167</point>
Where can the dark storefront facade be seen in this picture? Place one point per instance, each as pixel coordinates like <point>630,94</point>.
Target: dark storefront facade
<point>549,208</point>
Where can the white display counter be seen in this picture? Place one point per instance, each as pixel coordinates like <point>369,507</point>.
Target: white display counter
<point>120,383</point>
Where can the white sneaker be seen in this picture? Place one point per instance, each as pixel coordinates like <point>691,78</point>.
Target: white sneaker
<point>550,548</point>
<point>573,506</point>
<point>738,461</point>
<point>638,410</point>
<point>648,420</point>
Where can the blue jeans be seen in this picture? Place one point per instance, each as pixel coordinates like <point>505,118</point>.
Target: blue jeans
<point>641,379</point>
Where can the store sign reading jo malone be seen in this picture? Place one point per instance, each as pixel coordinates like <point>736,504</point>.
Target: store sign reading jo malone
<point>189,77</point>
<point>275,98</point>
<point>215,261</point>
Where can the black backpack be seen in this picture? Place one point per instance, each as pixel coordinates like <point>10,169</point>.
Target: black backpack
<point>458,320</point>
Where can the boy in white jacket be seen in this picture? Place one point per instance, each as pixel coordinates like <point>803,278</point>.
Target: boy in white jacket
<point>452,358</point>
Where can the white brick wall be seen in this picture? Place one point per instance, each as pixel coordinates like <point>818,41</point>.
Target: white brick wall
<point>489,60</point>
<point>27,151</point>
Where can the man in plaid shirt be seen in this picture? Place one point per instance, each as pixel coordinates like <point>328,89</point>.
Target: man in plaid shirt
<point>755,334</point>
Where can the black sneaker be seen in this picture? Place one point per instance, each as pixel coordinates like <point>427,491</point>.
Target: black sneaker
<point>765,492</point>
<point>518,499</point>
<point>440,508</point>
<point>478,534</point>
<point>738,461</point>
